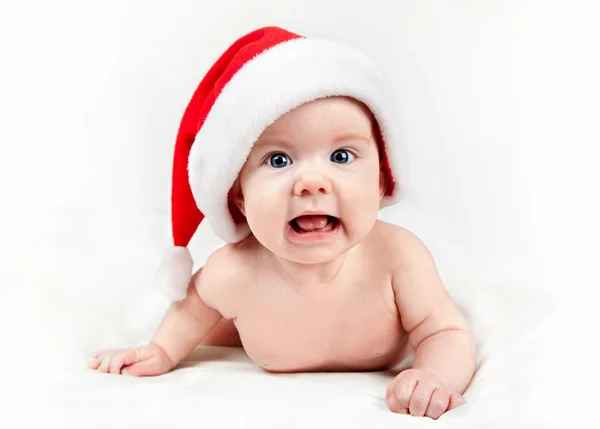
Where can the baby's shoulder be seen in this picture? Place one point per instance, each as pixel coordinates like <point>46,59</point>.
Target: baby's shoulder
<point>393,243</point>
<point>229,263</point>
<point>222,275</point>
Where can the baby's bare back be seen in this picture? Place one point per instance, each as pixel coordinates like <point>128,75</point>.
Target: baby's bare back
<point>348,323</point>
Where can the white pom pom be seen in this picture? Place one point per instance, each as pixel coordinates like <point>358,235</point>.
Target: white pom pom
<point>175,272</point>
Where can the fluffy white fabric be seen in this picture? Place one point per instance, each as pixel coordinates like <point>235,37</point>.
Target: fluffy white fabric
<point>175,272</point>
<point>78,292</point>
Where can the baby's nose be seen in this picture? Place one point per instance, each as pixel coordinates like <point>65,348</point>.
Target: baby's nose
<point>312,184</point>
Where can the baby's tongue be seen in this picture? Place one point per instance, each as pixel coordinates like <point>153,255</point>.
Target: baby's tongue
<point>312,222</point>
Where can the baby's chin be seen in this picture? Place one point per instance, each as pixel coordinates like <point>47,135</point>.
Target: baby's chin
<point>311,256</point>
<point>304,253</point>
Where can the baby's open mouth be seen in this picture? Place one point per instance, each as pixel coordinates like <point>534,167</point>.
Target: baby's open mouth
<point>314,223</point>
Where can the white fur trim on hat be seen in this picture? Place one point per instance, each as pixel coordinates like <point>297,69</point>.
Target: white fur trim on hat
<point>273,83</point>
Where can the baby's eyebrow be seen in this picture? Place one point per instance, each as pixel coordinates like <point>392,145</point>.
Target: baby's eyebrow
<point>353,137</point>
<point>277,142</point>
<point>271,142</point>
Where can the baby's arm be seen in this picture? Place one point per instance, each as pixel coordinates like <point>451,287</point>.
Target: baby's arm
<point>438,332</point>
<point>186,323</point>
<point>183,327</point>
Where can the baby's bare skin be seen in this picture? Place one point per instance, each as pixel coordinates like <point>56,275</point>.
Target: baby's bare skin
<point>355,299</point>
<point>347,323</point>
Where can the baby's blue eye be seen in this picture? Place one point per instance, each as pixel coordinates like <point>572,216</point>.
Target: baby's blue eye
<point>279,160</point>
<point>342,156</point>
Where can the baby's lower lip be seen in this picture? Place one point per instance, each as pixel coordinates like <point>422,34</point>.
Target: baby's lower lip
<point>313,235</point>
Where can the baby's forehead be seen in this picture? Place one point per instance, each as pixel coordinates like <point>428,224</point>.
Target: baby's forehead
<point>336,117</point>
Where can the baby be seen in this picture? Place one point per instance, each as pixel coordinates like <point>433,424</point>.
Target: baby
<point>316,282</point>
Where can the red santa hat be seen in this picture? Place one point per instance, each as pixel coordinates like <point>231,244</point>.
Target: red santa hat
<point>260,77</point>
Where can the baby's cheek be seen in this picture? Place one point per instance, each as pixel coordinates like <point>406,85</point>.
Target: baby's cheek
<point>361,207</point>
<point>364,193</point>
<point>266,217</point>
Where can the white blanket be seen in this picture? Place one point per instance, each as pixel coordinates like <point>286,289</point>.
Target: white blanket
<point>86,286</point>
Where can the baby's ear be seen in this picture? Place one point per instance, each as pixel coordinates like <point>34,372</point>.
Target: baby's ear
<point>235,202</point>
<point>383,182</point>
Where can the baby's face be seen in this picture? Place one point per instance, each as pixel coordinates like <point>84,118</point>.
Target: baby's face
<point>321,158</point>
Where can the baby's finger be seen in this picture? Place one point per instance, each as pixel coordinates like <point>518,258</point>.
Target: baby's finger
<point>94,363</point>
<point>404,390</point>
<point>105,364</point>
<point>137,354</point>
<point>440,398</point>
<point>456,400</point>
<point>391,401</point>
<point>116,363</point>
<point>101,354</point>
<point>420,398</point>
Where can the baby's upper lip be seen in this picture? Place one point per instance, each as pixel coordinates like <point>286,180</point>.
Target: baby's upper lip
<point>312,213</point>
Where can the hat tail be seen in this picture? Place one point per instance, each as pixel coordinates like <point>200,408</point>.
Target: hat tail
<point>174,273</point>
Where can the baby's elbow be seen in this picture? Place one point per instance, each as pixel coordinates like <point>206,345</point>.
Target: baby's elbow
<point>442,321</point>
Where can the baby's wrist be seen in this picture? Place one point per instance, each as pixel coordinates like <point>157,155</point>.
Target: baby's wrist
<point>444,380</point>
<point>163,351</point>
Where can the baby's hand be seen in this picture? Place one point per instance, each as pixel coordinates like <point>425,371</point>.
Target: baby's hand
<point>149,359</point>
<point>419,393</point>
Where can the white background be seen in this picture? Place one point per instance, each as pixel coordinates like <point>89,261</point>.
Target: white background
<point>499,107</point>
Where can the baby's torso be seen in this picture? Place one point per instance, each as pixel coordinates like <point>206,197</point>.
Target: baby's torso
<point>349,324</point>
